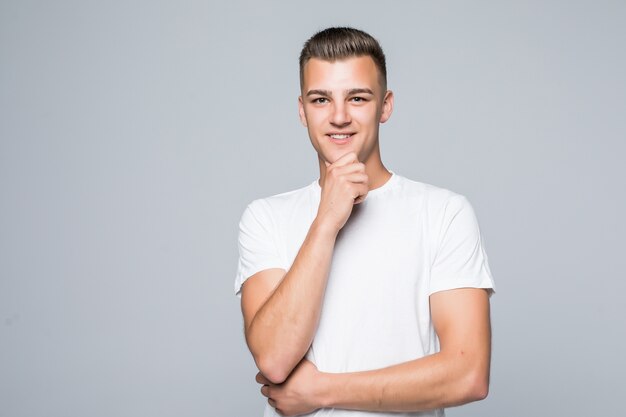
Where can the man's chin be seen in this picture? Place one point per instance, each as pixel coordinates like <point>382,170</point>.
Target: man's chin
<point>332,157</point>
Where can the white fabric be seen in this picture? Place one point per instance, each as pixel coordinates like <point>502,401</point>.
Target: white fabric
<point>406,241</point>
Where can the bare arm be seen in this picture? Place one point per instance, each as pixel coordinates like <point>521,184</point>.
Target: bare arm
<point>281,309</point>
<point>458,374</point>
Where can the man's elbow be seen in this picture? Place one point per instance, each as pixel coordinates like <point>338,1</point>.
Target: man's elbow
<point>268,362</point>
<point>480,391</point>
<point>273,370</point>
<point>274,365</point>
<point>477,386</point>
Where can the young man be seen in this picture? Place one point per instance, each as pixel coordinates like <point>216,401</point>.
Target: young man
<point>364,291</point>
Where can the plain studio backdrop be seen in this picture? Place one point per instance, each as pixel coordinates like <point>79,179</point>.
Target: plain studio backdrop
<point>133,134</point>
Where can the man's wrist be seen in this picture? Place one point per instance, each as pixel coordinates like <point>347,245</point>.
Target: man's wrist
<point>324,229</point>
<point>328,390</point>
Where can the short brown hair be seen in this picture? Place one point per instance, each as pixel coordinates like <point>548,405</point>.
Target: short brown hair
<point>338,43</point>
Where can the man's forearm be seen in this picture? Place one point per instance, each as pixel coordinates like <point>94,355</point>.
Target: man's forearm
<point>456,375</point>
<point>435,381</point>
<point>282,330</point>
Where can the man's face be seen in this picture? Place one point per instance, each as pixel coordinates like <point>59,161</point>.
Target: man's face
<point>341,105</point>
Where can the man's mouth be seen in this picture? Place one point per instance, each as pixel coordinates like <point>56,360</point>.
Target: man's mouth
<point>340,137</point>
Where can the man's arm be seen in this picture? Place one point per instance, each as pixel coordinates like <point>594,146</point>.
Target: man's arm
<point>457,374</point>
<point>281,310</point>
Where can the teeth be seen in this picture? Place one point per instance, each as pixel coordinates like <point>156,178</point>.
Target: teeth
<point>340,136</point>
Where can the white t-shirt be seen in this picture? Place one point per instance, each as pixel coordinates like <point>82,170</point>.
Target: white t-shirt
<point>406,241</point>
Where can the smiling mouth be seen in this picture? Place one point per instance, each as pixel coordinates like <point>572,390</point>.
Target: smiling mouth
<point>340,138</point>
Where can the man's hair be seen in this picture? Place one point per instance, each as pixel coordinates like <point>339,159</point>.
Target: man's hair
<point>338,43</point>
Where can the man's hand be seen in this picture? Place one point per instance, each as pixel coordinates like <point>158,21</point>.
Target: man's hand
<point>345,184</point>
<point>301,393</point>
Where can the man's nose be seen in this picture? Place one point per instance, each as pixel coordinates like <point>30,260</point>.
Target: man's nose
<point>340,115</point>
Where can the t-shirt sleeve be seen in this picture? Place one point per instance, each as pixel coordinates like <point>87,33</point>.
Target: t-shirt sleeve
<point>257,243</point>
<point>460,260</point>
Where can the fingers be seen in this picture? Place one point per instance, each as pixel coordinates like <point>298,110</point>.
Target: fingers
<point>346,159</point>
<point>346,165</point>
<point>261,379</point>
<point>345,184</point>
<point>347,169</point>
<point>266,391</point>
<point>270,401</point>
<point>361,192</point>
<point>358,177</point>
<point>358,182</point>
<point>273,404</point>
<point>354,172</point>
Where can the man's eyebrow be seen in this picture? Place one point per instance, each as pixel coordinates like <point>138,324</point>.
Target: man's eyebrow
<point>360,91</point>
<point>324,93</point>
<point>352,91</point>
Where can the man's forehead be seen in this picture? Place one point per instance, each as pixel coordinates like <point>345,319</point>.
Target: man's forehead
<point>348,73</point>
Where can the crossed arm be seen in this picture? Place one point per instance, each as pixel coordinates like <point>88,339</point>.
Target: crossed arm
<point>281,312</point>
<point>457,374</point>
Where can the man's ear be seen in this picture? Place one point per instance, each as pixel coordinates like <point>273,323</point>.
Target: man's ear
<point>387,107</point>
<point>301,111</point>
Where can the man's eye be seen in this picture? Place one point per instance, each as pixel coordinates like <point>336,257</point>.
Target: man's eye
<point>320,100</point>
<point>358,99</point>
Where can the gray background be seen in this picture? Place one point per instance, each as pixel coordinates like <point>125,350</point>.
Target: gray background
<point>134,133</point>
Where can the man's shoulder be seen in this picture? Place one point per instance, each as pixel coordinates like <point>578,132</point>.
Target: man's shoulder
<point>431,194</point>
<point>285,201</point>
